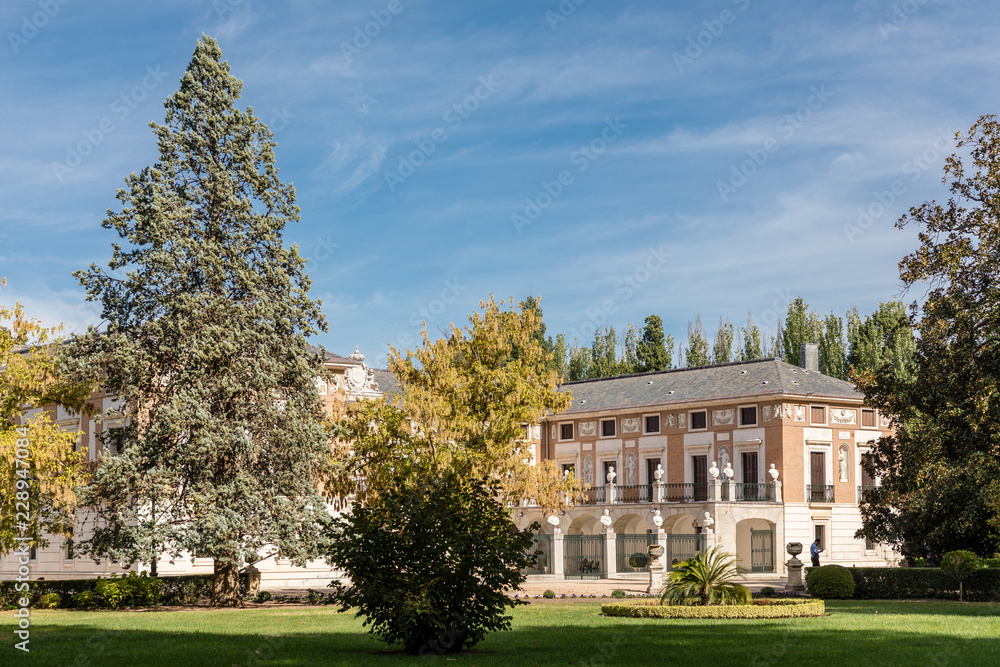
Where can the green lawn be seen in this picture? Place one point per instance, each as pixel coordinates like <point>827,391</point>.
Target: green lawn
<point>572,633</point>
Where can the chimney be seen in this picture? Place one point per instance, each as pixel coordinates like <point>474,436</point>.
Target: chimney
<point>809,356</point>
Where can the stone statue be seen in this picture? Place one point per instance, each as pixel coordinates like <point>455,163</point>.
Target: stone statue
<point>630,469</point>
<point>843,465</point>
<point>728,472</point>
<point>606,519</point>
<point>724,460</point>
<point>588,470</point>
<point>611,475</point>
<point>553,520</point>
<point>773,472</point>
<point>707,522</point>
<point>714,471</point>
<point>657,519</point>
<point>658,474</point>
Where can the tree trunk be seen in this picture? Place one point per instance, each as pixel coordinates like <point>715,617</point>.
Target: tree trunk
<point>226,585</point>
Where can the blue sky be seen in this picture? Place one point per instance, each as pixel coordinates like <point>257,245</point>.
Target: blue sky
<point>617,158</point>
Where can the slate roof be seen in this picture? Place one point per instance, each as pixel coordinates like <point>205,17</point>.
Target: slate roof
<point>331,357</point>
<point>387,384</point>
<point>746,379</point>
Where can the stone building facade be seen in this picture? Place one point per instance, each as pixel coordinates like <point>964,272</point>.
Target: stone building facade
<point>746,456</point>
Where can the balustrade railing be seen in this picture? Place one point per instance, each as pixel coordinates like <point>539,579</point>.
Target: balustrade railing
<point>819,493</point>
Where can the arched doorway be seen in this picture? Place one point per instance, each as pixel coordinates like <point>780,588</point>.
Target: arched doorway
<point>755,544</point>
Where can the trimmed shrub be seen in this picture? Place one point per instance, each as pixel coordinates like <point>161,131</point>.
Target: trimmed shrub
<point>830,582</point>
<point>49,601</point>
<point>638,560</point>
<point>757,609</point>
<point>618,593</point>
<point>920,583</point>
<point>959,565</point>
<point>549,593</point>
<point>766,592</point>
<point>264,596</point>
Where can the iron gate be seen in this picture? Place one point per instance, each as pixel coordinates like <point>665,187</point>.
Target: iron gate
<point>583,556</point>
<point>541,547</point>
<point>761,550</point>
<point>682,547</point>
<point>633,552</point>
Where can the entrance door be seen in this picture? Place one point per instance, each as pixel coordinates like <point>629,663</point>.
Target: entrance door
<point>750,488</point>
<point>817,462</point>
<point>699,466</point>
<point>761,550</point>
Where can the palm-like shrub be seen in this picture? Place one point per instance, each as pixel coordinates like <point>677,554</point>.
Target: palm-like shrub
<point>709,577</point>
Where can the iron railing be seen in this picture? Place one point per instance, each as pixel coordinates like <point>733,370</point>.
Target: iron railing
<point>819,493</point>
<point>541,548</point>
<point>632,551</point>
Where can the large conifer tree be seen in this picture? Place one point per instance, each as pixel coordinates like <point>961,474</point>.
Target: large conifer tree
<point>206,348</point>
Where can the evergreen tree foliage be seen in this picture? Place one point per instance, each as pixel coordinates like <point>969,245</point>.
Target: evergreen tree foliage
<point>885,336</point>
<point>800,326</point>
<point>604,353</point>
<point>560,357</point>
<point>697,353</point>
<point>206,349</point>
<point>940,467</point>
<point>579,362</point>
<point>722,350</point>
<point>752,346</point>
<point>629,362</point>
<point>654,351</point>
<point>833,348</point>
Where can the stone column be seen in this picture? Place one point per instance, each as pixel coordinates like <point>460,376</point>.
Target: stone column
<point>656,569</point>
<point>610,553</point>
<point>659,492</point>
<point>731,489</point>
<point>558,561</point>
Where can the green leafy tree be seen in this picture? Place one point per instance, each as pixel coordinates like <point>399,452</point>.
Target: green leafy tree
<point>885,336</point>
<point>629,362</point>
<point>940,465</point>
<point>832,347</point>
<point>579,362</point>
<point>46,473</point>
<point>206,348</point>
<point>560,357</point>
<point>722,350</point>
<point>604,353</point>
<point>697,353</point>
<point>800,326</point>
<point>654,350</point>
<point>959,565</point>
<point>752,347</point>
<point>710,578</point>
<point>430,563</point>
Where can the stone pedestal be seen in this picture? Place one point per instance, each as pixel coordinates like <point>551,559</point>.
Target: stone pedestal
<point>609,493</point>
<point>656,569</point>
<point>253,581</point>
<point>557,553</point>
<point>794,565</point>
<point>715,491</point>
<point>659,492</point>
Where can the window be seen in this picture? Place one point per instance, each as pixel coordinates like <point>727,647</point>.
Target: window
<point>607,428</point>
<point>69,549</point>
<point>33,554</point>
<point>749,461</point>
<point>748,416</point>
<point>652,423</point>
<point>699,420</point>
<point>569,467</point>
<point>566,431</point>
<point>820,532</point>
<point>869,545</point>
<point>818,414</point>
<point>867,418</point>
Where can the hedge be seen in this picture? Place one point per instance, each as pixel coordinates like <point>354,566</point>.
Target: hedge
<point>907,583</point>
<point>767,608</point>
<point>183,590</point>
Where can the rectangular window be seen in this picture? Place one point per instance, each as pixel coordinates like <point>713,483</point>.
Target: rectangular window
<point>570,468</point>
<point>653,424</point>
<point>748,416</point>
<point>33,554</point>
<point>818,413</point>
<point>866,478</point>
<point>566,431</point>
<point>867,418</point>
<point>821,535</point>
<point>69,549</point>
<point>869,545</point>
<point>699,469</point>
<point>607,428</point>
<point>699,420</point>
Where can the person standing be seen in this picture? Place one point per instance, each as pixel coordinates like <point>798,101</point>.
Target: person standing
<point>814,551</point>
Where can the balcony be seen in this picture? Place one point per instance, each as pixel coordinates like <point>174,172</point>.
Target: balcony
<point>750,492</point>
<point>867,493</point>
<point>698,492</point>
<point>819,493</point>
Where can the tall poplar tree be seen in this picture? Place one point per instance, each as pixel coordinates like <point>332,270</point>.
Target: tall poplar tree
<point>697,353</point>
<point>722,350</point>
<point>653,349</point>
<point>206,348</point>
<point>751,348</point>
<point>800,326</point>
<point>832,347</point>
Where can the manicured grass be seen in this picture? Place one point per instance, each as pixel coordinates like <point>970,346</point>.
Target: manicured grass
<point>854,633</point>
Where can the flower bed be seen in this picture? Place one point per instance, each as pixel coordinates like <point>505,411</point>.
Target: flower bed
<point>760,608</point>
